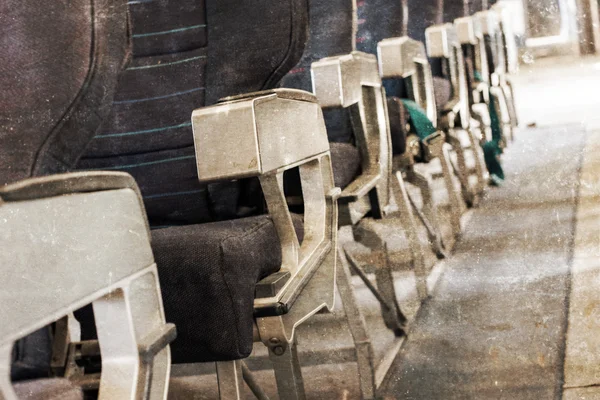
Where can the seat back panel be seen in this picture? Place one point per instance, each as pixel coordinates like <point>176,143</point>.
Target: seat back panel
<point>60,64</point>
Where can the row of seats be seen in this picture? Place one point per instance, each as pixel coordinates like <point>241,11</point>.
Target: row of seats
<point>135,238</point>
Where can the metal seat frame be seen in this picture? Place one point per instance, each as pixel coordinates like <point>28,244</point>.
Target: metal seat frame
<point>352,81</point>
<point>455,118</point>
<point>71,239</point>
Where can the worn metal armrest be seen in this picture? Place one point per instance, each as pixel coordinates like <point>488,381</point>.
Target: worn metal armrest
<point>490,29</point>
<point>469,33</point>
<point>359,188</point>
<point>511,51</point>
<point>442,42</point>
<point>352,81</point>
<point>404,57</point>
<point>265,134</point>
<point>73,239</point>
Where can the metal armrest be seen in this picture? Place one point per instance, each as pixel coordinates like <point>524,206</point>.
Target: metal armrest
<point>511,52</point>
<point>469,33</point>
<point>265,134</point>
<point>442,42</point>
<point>352,81</point>
<point>490,29</point>
<point>68,240</point>
<point>359,188</point>
<point>406,58</point>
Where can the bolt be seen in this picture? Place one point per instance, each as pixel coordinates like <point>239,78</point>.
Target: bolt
<point>274,341</point>
<point>278,350</point>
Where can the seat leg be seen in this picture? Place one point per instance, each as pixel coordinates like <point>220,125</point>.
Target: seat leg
<point>384,279</point>
<point>410,228</point>
<point>6,390</point>
<point>288,373</point>
<point>430,210</point>
<point>462,172</point>
<point>480,170</point>
<point>358,328</point>
<point>510,102</point>
<point>230,379</point>
<point>453,194</point>
<point>129,321</point>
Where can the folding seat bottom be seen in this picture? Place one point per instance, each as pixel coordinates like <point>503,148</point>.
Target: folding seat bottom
<point>48,389</point>
<point>208,274</point>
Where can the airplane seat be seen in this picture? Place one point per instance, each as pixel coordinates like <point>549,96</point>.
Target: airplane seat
<point>347,85</point>
<point>42,101</point>
<point>173,70</point>
<point>408,81</point>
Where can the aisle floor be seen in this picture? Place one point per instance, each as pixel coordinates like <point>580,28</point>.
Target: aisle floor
<point>516,314</point>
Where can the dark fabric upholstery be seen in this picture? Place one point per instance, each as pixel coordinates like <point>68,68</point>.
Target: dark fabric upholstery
<point>442,89</point>
<point>455,9</point>
<point>398,122</point>
<point>175,70</point>
<point>323,41</point>
<point>48,389</point>
<point>345,160</point>
<point>421,15</point>
<point>253,44</point>
<point>476,5</point>
<point>208,275</point>
<point>31,355</point>
<point>378,20</point>
<point>60,61</point>
<point>148,132</point>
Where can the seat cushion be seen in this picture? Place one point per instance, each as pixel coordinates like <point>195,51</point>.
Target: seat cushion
<point>442,90</point>
<point>345,161</point>
<point>48,389</point>
<point>208,274</point>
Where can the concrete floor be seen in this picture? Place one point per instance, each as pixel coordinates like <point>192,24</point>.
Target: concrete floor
<point>516,310</point>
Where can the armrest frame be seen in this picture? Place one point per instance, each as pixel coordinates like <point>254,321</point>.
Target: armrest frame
<point>352,81</point>
<point>72,239</point>
<point>508,38</point>
<point>404,57</point>
<point>442,42</point>
<point>272,132</point>
<point>471,38</point>
<point>492,44</point>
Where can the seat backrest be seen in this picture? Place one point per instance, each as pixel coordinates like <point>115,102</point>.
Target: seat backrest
<point>422,15</point>
<point>331,33</point>
<point>378,20</point>
<point>60,62</point>
<point>455,9</point>
<point>478,5</point>
<point>186,54</point>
